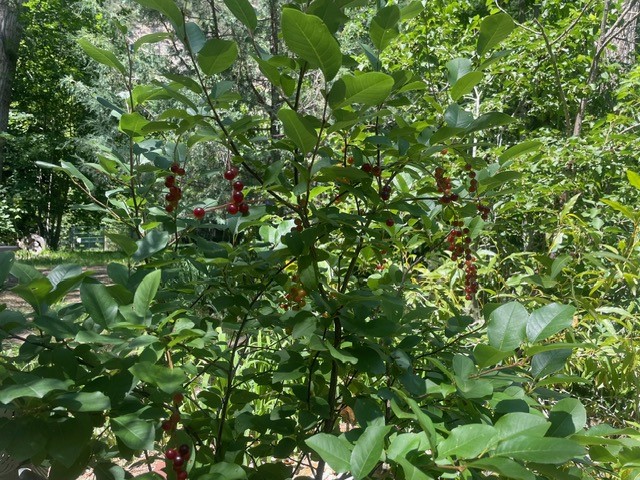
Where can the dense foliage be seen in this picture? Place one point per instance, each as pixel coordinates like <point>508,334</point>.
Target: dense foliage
<point>362,296</point>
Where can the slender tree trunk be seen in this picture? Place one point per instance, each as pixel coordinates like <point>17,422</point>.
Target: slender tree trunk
<point>9,41</point>
<point>624,42</point>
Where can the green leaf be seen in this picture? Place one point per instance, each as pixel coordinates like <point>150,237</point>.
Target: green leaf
<point>225,471</point>
<point>135,433</point>
<point>540,450</point>
<point>368,450</point>
<point>84,401</point>
<point>634,178</point>
<point>146,292</point>
<point>217,55</point>
<point>457,117</point>
<point>150,38</point>
<point>504,466</point>
<point>546,363</point>
<point>298,129</point>
<point>489,120</point>
<point>493,30</point>
<point>384,27</point>
<point>506,326</point>
<point>152,243</point>
<point>102,56</point>
<point>243,11</point>
<point>6,263</point>
<point>308,37</point>
<point>35,292</point>
<point>169,380</point>
<point>99,304</point>
<point>465,85</point>
<point>520,149</point>
<point>567,417</point>
<point>549,320</point>
<point>170,10</point>
<point>486,355</point>
<point>132,124</point>
<point>371,88</point>
<point>63,272</point>
<point>515,424</point>
<point>75,432</point>
<point>626,211</point>
<point>33,388</point>
<point>333,450</point>
<point>499,179</point>
<point>467,441</point>
<point>24,273</point>
<point>195,36</point>
<point>458,68</point>
<point>126,243</point>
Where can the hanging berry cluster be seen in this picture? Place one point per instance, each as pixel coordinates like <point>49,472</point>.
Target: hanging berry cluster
<point>459,244</point>
<point>178,458</point>
<point>171,423</point>
<point>443,185</point>
<point>295,299</point>
<point>175,192</point>
<point>237,203</point>
<point>483,209</point>
<point>298,227</point>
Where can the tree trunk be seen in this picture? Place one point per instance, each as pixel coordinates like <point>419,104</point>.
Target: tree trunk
<point>9,41</point>
<point>624,42</point>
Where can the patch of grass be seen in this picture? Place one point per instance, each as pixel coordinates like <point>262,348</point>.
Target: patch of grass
<point>85,258</point>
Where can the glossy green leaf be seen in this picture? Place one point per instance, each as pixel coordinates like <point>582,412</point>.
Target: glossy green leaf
<point>544,450</point>
<point>146,292</point>
<point>371,88</point>
<point>520,423</point>
<point>384,27</point>
<point>102,56</point>
<point>549,320</point>
<point>75,431</point>
<point>150,38</point>
<point>467,441</point>
<point>132,124</point>
<point>84,401</point>
<point>504,466</point>
<point>308,37</point>
<point>507,326</point>
<point>465,85</point>
<point>298,129</point>
<point>634,178</point>
<point>519,149</point>
<point>217,55</point>
<point>152,243</point>
<point>458,68</point>
<point>457,117</point>
<point>625,210</point>
<point>333,450</point>
<point>546,363</point>
<point>170,10</point>
<point>6,263</point>
<point>134,432</point>
<point>567,417</point>
<point>24,273</point>
<point>169,380</point>
<point>63,272</point>
<point>195,36</point>
<point>32,388</point>
<point>243,11</point>
<point>489,120</point>
<point>486,355</point>
<point>126,243</point>
<point>99,304</point>
<point>493,30</point>
<point>367,451</point>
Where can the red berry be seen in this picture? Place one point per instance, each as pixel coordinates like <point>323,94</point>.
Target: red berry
<point>167,425</point>
<point>184,449</point>
<point>169,208</point>
<point>199,213</point>
<point>178,461</point>
<point>384,195</point>
<point>367,168</point>
<point>244,208</point>
<point>182,475</point>
<point>231,173</point>
<point>444,151</point>
<point>237,197</point>
<point>232,208</point>
<point>178,398</point>
<point>377,171</point>
<point>170,181</point>
<point>350,160</point>
<point>238,186</point>
<point>181,171</point>
<point>390,222</point>
<point>171,453</point>
<point>175,168</point>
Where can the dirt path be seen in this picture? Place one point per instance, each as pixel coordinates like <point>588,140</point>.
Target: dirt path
<point>14,302</point>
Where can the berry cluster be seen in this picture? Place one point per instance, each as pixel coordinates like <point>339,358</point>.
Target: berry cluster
<point>459,244</point>
<point>171,423</point>
<point>473,183</point>
<point>178,458</point>
<point>295,299</point>
<point>385,192</point>
<point>444,187</point>
<point>484,210</point>
<point>237,203</point>
<point>298,227</point>
<point>175,192</point>
<point>374,170</point>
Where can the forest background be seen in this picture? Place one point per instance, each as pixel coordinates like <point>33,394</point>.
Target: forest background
<point>526,111</point>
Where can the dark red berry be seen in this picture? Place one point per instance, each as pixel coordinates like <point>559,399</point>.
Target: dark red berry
<point>390,222</point>
<point>175,168</point>
<point>171,453</point>
<point>232,208</point>
<point>184,449</point>
<point>169,208</point>
<point>182,475</point>
<point>376,170</point>
<point>238,186</point>
<point>367,167</point>
<point>199,213</point>
<point>237,197</point>
<point>181,171</point>
<point>231,173</point>
<point>178,461</point>
<point>384,195</point>
<point>170,181</point>
<point>167,425</point>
